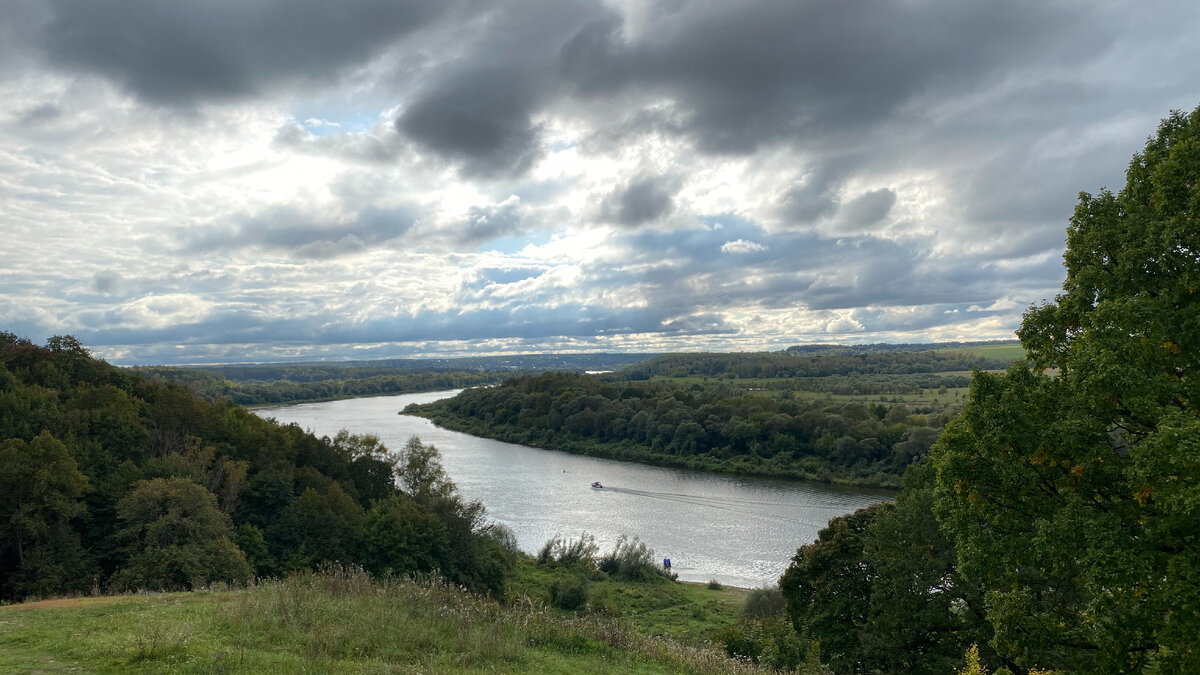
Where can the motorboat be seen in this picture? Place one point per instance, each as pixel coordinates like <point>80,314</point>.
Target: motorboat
<point>597,486</point>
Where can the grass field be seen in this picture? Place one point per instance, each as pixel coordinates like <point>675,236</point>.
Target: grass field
<point>342,621</point>
<point>689,613</point>
<point>926,397</point>
<point>1006,351</point>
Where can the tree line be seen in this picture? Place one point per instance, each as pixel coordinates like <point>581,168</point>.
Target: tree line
<point>315,385</point>
<point>790,364</point>
<point>713,425</point>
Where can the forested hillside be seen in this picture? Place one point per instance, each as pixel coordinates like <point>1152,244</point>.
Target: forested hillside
<point>109,481</point>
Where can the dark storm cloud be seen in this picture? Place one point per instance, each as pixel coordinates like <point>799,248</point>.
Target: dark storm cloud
<point>290,229</point>
<point>744,74</point>
<point>478,112</point>
<point>182,53</point>
<point>479,118</point>
<point>641,200</point>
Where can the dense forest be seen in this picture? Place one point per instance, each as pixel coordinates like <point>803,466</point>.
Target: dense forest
<point>716,425</point>
<point>329,384</point>
<point>111,482</point>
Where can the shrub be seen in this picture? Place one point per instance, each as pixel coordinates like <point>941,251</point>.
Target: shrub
<point>771,641</point>
<point>570,594</point>
<point>632,560</point>
<point>714,585</point>
<point>569,552</point>
<point>764,602</point>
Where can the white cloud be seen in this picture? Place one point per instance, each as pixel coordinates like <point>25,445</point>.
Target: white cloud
<point>741,246</point>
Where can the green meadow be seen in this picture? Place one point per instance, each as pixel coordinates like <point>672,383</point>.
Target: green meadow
<point>341,621</point>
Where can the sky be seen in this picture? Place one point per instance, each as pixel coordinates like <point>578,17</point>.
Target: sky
<point>248,180</point>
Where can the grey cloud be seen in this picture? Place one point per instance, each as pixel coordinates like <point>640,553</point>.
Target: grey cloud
<point>746,74</point>
<point>806,201</point>
<point>183,53</point>
<point>866,210</point>
<point>106,281</point>
<point>478,111</point>
<point>40,114</point>
<point>479,118</point>
<point>800,269</point>
<point>289,229</point>
<point>484,223</point>
<point>244,327</point>
<point>641,200</point>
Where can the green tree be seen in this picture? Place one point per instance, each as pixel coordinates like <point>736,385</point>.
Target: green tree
<point>422,476</point>
<point>321,525</point>
<point>473,558</point>
<point>400,538</point>
<point>41,490</point>
<point>176,538</point>
<point>827,588</point>
<point>1071,483</point>
<point>922,612</point>
<point>371,468</point>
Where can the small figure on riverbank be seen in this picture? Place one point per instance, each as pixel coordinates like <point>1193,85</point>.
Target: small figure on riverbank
<point>667,564</point>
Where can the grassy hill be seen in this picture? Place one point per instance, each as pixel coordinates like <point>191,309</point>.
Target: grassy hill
<point>344,621</point>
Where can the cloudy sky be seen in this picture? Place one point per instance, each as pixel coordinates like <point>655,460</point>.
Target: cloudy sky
<point>238,180</point>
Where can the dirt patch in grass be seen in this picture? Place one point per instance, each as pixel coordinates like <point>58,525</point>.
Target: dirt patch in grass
<point>64,603</point>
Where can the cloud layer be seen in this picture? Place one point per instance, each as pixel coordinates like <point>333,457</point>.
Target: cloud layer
<point>264,179</point>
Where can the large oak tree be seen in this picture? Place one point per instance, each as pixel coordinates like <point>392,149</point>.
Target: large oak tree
<point>1071,483</point>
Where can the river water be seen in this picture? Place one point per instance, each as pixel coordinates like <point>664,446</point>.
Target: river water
<point>740,531</point>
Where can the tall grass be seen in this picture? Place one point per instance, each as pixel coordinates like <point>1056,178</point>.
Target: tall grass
<point>342,615</point>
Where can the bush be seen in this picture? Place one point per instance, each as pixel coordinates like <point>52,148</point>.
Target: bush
<point>771,641</point>
<point>569,552</point>
<point>570,594</point>
<point>632,560</point>
<point>764,602</point>
<point>714,585</point>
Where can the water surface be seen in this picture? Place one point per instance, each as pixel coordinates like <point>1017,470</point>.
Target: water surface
<point>740,531</point>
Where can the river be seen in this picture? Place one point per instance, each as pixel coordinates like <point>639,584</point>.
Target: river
<point>740,531</point>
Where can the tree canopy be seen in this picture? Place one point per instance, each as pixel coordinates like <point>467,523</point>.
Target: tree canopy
<point>1055,523</point>
<point>1071,483</point>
